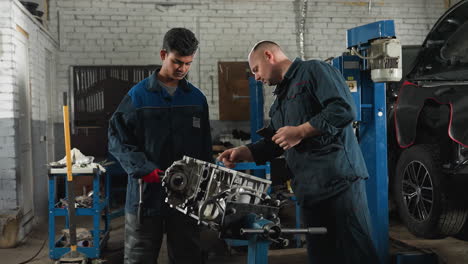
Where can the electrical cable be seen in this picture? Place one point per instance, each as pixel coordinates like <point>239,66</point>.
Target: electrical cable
<point>37,253</point>
<point>363,57</point>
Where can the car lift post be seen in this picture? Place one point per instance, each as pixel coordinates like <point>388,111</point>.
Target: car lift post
<point>370,99</point>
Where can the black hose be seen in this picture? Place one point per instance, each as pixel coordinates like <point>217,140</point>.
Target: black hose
<point>37,253</point>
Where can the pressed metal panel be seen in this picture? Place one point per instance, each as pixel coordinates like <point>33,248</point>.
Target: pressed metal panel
<point>234,99</point>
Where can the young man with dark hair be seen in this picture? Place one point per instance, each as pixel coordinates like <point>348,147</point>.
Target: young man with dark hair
<point>312,116</point>
<point>161,119</point>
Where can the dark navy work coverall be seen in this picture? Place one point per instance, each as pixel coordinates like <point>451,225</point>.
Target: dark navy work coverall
<point>328,170</point>
<point>150,130</point>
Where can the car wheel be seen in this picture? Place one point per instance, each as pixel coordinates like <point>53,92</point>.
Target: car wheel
<point>422,197</point>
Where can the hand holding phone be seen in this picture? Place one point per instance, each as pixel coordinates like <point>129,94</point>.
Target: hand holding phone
<point>266,132</point>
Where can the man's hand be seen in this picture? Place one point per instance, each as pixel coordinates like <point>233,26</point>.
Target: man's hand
<point>289,136</point>
<point>231,156</point>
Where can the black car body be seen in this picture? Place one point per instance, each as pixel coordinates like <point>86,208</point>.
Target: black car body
<point>428,130</point>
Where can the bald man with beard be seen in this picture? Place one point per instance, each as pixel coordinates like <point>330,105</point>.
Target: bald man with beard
<point>312,116</point>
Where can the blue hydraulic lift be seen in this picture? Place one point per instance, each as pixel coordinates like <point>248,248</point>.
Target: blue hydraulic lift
<point>371,116</point>
<point>372,129</point>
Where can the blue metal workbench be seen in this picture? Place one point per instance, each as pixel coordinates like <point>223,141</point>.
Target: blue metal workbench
<point>99,209</point>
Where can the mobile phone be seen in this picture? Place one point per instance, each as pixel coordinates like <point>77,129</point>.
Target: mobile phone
<point>266,132</point>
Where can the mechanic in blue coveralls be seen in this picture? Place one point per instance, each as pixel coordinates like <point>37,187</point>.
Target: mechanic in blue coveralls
<point>161,119</point>
<point>312,115</point>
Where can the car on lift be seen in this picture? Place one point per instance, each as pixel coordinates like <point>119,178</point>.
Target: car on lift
<point>428,130</point>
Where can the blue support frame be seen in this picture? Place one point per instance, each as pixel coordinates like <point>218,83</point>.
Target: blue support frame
<point>373,133</point>
<point>371,106</point>
<point>256,108</point>
<point>100,236</point>
<point>255,248</point>
<point>363,34</point>
<point>253,166</point>
<point>257,244</point>
<point>373,142</point>
<point>256,115</point>
<point>370,99</point>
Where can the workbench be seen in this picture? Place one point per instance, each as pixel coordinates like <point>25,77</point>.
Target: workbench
<point>99,208</point>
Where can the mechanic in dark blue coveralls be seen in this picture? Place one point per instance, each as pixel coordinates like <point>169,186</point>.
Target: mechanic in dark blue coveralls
<point>161,119</point>
<point>312,116</point>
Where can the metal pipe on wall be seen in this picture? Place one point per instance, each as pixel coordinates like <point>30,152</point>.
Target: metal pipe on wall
<point>302,22</point>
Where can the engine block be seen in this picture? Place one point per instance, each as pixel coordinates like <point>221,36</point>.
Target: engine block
<point>217,196</point>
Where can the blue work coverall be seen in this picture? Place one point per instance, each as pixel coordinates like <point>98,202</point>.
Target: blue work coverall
<point>150,130</point>
<point>329,169</point>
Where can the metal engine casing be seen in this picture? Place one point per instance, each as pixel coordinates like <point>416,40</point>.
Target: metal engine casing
<point>217,196</point>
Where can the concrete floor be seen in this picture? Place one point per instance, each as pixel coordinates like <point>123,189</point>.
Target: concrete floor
<point>448,250</point>
<point>114,251</point>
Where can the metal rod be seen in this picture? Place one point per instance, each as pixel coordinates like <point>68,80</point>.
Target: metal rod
<point>254,231</point>
<point>302,25</point>
<point>310,230</point>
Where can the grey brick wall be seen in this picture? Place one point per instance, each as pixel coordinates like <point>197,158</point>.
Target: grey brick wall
<point>13,15</point>
<point>130,32</point>
<point>327,22</point>
<point>7,132</point>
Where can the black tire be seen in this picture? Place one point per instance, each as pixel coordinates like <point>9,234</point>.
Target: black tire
<point>421,192</point>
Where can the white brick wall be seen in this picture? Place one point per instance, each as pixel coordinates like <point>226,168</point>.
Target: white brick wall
<point>40,41</point>
<point>326,31</point>
<point>119,32</point>
<point>13,14</point>
<point>131,32</point>
<point>7,132</point>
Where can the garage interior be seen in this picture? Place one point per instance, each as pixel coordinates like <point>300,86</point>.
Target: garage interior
<point>95,51</point>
